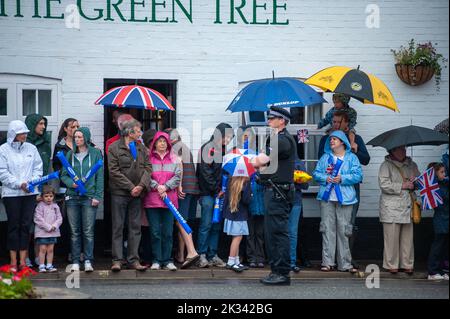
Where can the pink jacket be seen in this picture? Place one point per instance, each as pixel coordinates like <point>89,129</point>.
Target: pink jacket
<point>46,216</point>
<point>165,171</point>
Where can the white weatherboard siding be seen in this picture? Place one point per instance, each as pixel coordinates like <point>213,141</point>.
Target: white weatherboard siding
<point>209,60</point>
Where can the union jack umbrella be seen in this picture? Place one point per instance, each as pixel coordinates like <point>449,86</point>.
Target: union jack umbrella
<point>135,96</point>
<point>429,190</point>
<point>237,163</point>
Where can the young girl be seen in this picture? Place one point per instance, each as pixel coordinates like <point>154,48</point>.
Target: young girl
<point>440,223</point>
<point>235,212</point>
<point>48,219</point>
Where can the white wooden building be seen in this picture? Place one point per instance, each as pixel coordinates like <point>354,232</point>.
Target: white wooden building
<point>58,57</point>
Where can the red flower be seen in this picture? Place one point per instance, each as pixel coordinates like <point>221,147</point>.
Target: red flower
<point>6,269</point>
<point>26,272</point>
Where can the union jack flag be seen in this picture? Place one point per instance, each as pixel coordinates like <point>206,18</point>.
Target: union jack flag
<point>303,136</point>
<point>429,190</point>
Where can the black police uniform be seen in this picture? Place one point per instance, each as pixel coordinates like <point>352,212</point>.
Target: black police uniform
<point>278,206</point>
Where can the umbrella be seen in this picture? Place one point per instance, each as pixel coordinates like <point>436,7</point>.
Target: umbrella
<point>362,86</point>
<point>442,126</point>
<point>409,136</point>
<point>135,96</point>
<point>261,95</point>
<point>237,163</point>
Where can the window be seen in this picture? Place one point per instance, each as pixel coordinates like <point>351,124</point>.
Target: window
<point>37,101</point>
<point>307,118</point>
<point>3,102</point>
<point>306,115</point>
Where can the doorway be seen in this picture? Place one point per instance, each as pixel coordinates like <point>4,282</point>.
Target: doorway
<point>158,120</point>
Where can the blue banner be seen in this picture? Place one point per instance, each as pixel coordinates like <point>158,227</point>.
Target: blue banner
<point>39,181</point>
<point>80,189</point>
<point>177,215</point>
<point>93,170</point>
<point>218,204</point>
<point>330,186</point>
<point>133,150</point>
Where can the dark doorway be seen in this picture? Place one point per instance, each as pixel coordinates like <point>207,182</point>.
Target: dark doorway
<point>158,120</point>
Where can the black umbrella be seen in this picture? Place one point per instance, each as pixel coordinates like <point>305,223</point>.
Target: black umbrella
<point>442,126</point>
<point>409,136</point>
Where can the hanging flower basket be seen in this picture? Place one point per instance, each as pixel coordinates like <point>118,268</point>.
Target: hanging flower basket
<point>418,63</point>
<point>414,76</point>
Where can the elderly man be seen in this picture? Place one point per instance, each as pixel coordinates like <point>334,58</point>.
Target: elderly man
<point>129,177</point>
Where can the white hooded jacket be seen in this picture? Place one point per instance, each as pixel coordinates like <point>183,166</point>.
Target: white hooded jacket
<point>19,162</point>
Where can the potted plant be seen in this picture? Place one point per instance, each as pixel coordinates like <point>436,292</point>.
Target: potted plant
<point>416,64</point>
<point>15,284</point>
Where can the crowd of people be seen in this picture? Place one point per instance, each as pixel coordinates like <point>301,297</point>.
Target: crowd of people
<point>144,168</point>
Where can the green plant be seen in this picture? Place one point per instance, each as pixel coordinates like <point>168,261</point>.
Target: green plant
<point>421,54</point>
<point>16,285</point>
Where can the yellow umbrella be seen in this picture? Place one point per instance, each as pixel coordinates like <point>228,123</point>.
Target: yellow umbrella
<point>362,86</point>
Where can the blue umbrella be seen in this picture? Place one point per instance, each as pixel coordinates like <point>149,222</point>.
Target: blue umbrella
<point>282,92</point>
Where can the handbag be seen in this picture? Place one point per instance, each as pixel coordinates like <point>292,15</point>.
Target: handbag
<point>416,212</point>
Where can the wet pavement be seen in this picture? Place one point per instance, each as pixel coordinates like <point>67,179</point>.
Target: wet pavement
<point>216,283</point>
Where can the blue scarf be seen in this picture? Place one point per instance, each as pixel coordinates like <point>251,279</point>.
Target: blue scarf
<point>337,188</point>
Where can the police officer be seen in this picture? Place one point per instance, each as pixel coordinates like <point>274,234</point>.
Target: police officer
<point>277,178</point>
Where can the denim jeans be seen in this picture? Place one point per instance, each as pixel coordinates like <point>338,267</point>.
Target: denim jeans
<point>81,216</point>
<point>209,233</point>
<point>188,206</point>
<point>161,229</point>
<point>294,218</point>
<point>436,254</point>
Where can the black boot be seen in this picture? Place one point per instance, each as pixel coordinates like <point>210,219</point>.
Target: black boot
<point>276,280</point>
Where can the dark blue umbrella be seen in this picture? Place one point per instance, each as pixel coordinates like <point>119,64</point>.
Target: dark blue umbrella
<point>282,92</point>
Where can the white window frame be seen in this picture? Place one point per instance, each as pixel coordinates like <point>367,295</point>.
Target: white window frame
<point>38,86</point>
<point>11,109</point>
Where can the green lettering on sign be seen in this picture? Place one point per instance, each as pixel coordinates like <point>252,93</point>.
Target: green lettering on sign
<point>2,9</point>
<point>186,13</point>
<point>18,13</point>
<point>116,7</point>
<point>238,10</point>
<point>36,9</point>
<point>133,17</point>
<point>49,14</point>
<point>218,21</point>
<point>154,5</point>
<point>275,10</point>
<point>80,10</point>
<point>255,8</point>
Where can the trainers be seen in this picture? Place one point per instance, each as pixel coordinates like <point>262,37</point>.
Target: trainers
<point>50,268</point>
<point>155,266</point>
<point>170,266</point>
<point>435,277</point>
<point>203,262</point>
<point>88,266</point>
<point>217,262</point>
<point>42,268</point>
<point>36,262</point>
<point>29,263</point>
<point>445,276</point>
<point>75,267</point>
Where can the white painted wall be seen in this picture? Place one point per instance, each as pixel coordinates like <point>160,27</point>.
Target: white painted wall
<point>209,60</point>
